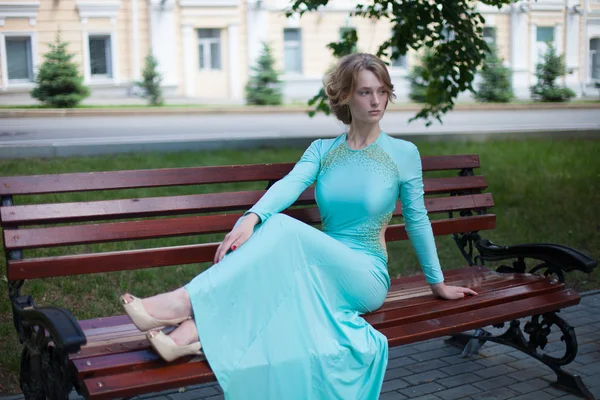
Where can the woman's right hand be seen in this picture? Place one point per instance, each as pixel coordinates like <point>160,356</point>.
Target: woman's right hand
<point>238,235</point>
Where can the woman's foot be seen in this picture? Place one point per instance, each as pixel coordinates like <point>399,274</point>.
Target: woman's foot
<point>183,341</point>
<point>136,309</point>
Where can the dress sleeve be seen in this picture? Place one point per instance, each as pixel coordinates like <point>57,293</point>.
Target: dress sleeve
<point>287,190</point>
<point>418,225</point>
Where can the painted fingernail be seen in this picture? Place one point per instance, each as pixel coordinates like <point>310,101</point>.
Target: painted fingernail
<point>233,247</point>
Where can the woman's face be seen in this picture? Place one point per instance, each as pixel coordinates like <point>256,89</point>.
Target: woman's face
<point>369,100</point>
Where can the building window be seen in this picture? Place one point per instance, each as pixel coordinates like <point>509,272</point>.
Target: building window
<point>595,58</point>
<point>346,30</point>
<point>544,34</point>
<point>292,49</point>
<point>399,62</point>
<point>489,35</point>
<point>100,56</point>
<point>19,58</point>
<point>447,34</point>
<point>209,48</point>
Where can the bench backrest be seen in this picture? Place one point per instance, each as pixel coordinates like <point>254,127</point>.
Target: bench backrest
<point>64,220</point>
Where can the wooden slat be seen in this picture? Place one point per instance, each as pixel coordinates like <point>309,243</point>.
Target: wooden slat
<point>179,255</point>
<point>61,183</point>
<point>177,375</point>
<point>213,202</point>
<point>132,383</point>
<point>81,182</point>
<point>453,162</point>
<point>456,323</point>
<point>134,230</point>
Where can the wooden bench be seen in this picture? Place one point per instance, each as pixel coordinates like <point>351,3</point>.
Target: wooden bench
<point>107,357</point>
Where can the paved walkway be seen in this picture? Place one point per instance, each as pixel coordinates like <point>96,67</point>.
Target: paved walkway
<point>433,370</point>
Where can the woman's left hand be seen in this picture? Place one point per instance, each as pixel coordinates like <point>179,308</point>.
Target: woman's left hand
<point>451,292</point>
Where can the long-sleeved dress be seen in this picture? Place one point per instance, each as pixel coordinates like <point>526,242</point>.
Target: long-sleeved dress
<point>280,317</point>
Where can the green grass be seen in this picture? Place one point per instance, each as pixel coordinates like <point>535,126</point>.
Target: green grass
<point>545,191</point>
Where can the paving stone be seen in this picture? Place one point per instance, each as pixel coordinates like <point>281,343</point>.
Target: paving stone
<point>192,394</point>
<point>435,354</point>
<point>429,345</point>
<point>462,368</point>
<point>495,360</point>
<point>529,386</point>
<point>589,358</point>
<point>400,362</point>
<point>530,373</point>
<point>496,394</point>
<point>218,397</point>
<point>498,370</point>
<point>456,359</point>
<point>401,351</point>
<point>493,383</point>
<point>527,363</point>
<point>588,348</point>
<point>555,391</point>
<point>568,397</point>
<point>458,392</point>
<point>424,377</point>
<point>584,370</point>
<point>392,396</point>
<point>394,384</point>
<point>426,366</point>
<point>396,373</point>
<point>493,351</point>
<point>457,380</point>
<point>519,354</point>
<point>427,397</point>
<point>541,395</point>
<point>421,390</point>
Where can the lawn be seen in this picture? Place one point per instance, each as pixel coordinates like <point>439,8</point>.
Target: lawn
<point>545,191</point>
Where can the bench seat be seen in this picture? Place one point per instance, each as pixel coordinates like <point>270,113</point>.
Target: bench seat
<point>117,360</point>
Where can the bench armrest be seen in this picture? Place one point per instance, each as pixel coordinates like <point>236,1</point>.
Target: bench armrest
<point>60,323</point>
<point>555,256</point>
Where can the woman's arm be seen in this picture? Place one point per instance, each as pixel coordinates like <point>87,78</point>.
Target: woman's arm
<point>418,228</point>
<point>279,197</point>
<point>287,190</point>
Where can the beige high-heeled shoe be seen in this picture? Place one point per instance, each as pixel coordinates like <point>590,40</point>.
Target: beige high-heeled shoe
<point>144,321</point>
<point>169,350</point>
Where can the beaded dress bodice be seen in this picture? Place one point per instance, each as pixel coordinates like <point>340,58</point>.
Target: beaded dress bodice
<point>356,192</point>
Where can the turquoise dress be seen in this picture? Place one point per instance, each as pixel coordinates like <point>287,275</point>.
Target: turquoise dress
<point>280,317</point>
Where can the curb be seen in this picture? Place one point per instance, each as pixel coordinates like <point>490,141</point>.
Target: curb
<point>131,111</point>
<point>75,147</point>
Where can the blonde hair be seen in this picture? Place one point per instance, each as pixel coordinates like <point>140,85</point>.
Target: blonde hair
<point>339,83</point>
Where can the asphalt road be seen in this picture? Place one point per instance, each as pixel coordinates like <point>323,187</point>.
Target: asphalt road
<point>103,134</point>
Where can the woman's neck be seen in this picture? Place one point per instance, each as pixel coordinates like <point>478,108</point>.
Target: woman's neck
<point>360,135</point>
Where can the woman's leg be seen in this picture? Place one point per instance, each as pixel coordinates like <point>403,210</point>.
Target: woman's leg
<point>170,305</point>
<point>184,334</point>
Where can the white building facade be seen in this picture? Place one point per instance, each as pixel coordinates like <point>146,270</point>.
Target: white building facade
<point>206,48</point>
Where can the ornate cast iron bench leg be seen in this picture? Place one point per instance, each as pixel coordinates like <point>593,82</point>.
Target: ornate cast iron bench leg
<point>538,331</point>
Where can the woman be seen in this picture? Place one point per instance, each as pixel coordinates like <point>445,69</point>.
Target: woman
<point>278,314</point>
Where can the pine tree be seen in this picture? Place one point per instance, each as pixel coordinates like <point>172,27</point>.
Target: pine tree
<point>58,82</point>
<point>264,86</point>
<point>552,67</point>
<point>151,80</point>
<point>495,85</point>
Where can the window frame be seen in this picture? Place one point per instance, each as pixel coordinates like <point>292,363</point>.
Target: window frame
<point>296,44</point>
<point>108,54</point>
<point>207,51</point>
<point>6,82</point>
<point>100,79</point>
